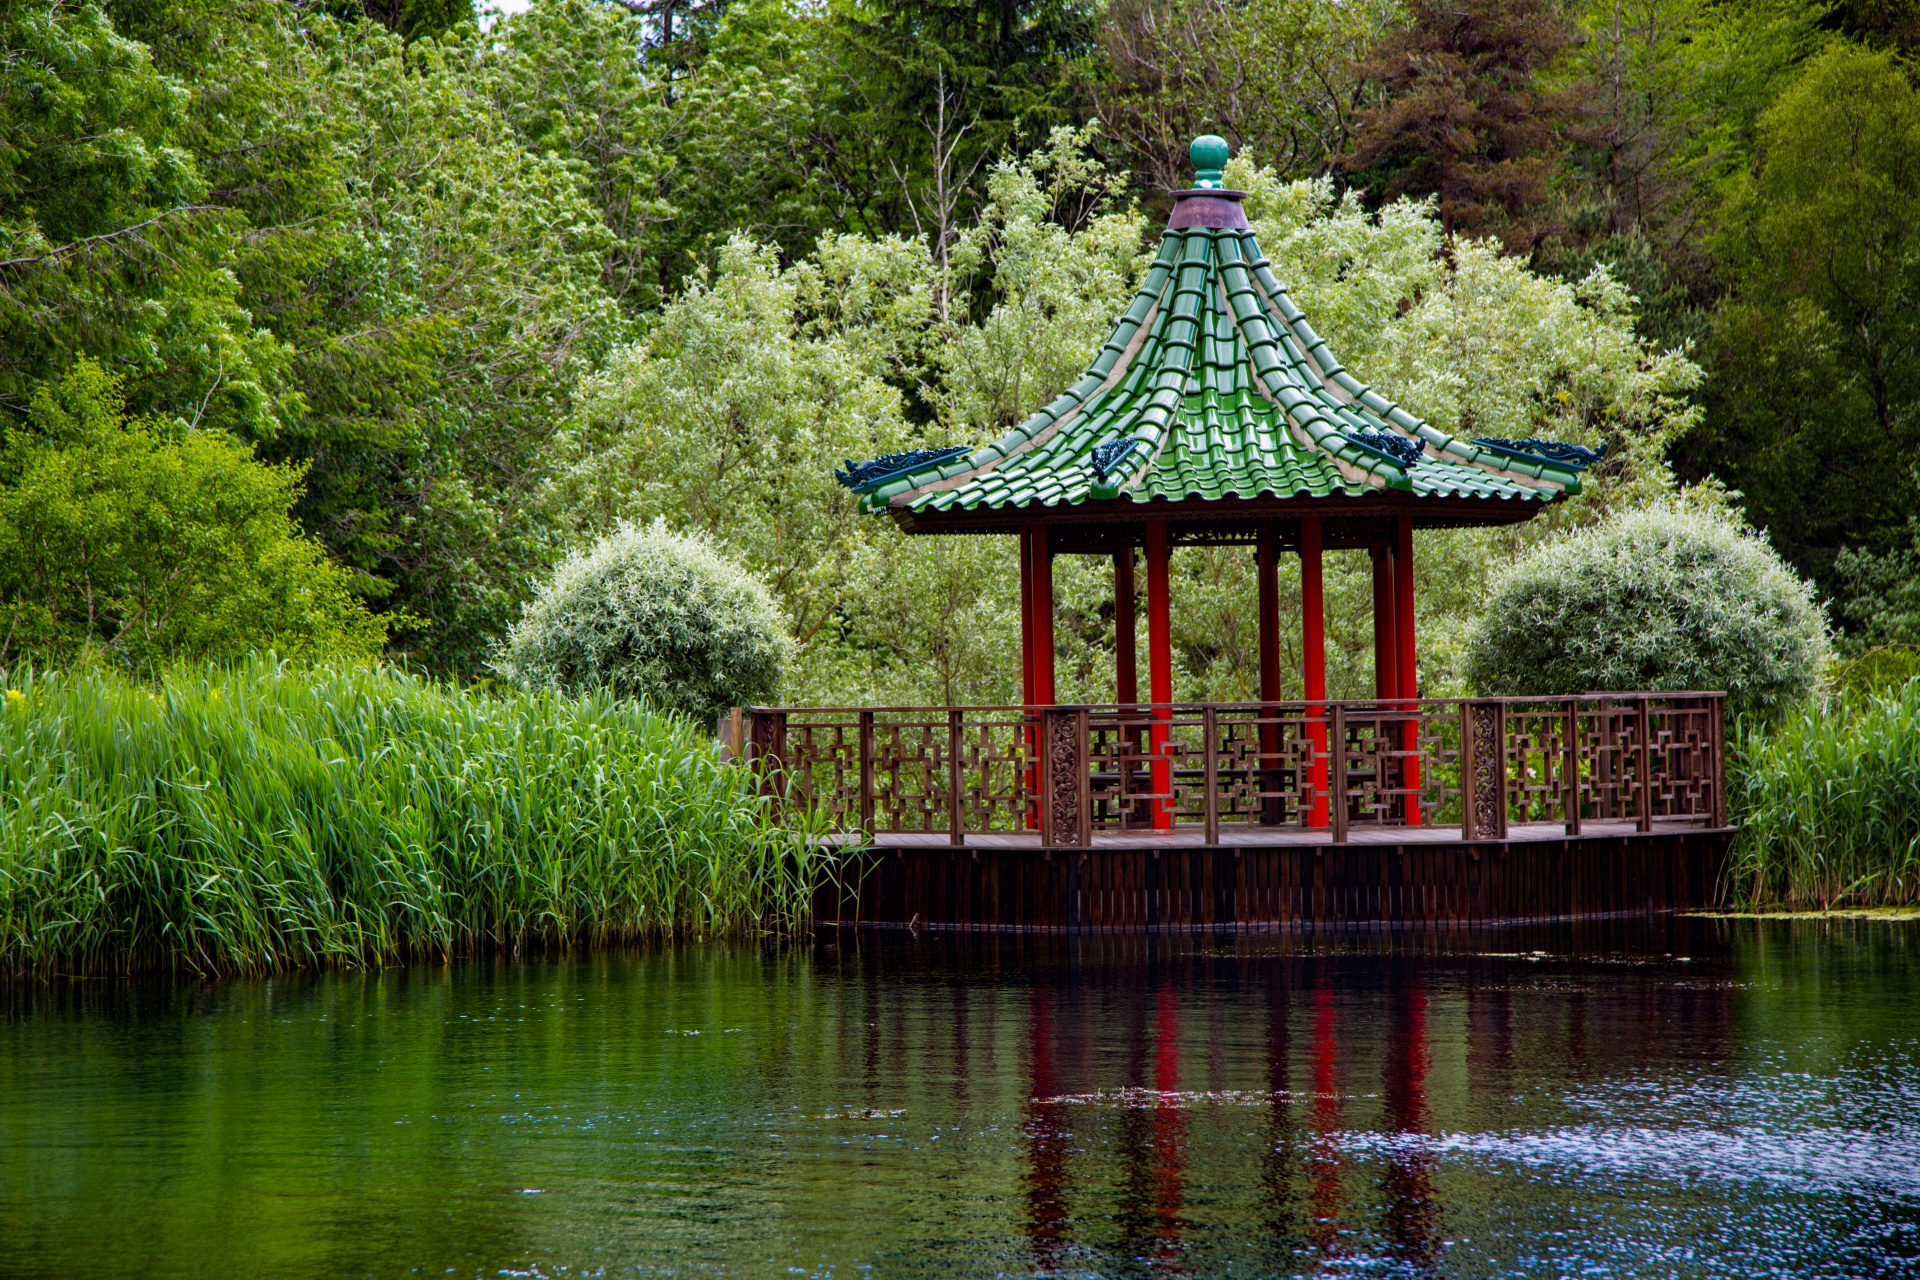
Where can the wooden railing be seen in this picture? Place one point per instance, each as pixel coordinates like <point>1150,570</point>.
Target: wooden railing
<point>1069,773</point>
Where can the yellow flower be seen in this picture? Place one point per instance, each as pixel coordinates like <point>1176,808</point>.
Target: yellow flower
<point>15,697</point>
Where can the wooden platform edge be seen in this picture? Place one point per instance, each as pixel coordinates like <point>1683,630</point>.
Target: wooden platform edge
<point>1268,888</point>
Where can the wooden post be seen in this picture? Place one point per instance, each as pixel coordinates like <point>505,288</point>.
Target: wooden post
<point>1267,571</point>
<point>1267,575</point>
<point>1063,776</point>
<point>1338,798</point>
<point>1160,667</point>
<point>1643,765</point>
<point>1083,752</point>
<point>956,781</point>
<point>1042,618</point>
<point>1209,725</point>
<point>1026,617</point>
<point>1313,661</point>
<point>1719,760</point>
<point>1126,681</point>
<point>1499,783</point>
<point>1572,767</point>
<point>1408,680</point>
<point>866,773</point>
<point>1469,775</point>
<point>1386,665</point>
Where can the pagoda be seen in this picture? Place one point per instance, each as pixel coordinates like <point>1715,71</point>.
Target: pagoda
<point>1215,414</point>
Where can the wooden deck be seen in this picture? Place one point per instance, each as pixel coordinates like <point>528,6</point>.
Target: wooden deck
<point>1429,811</point>
<point>1286,879</point>
<point>1194,837</point>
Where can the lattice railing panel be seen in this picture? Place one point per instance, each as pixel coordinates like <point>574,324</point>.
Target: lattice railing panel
<point>1619,758</point>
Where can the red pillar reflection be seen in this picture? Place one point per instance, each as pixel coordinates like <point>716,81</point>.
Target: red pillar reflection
<point>1169,1127</point>
<point>1412,1216</point>
<point>1047,1140</point>
<point>1323,1156</point>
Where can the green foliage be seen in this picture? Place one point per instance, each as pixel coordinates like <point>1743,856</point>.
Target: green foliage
<point>1656,599</point>
<point>933,93</point>
<point>1828,803</point>
<point>1467,114</point>
<point>1876,671</point>
<point>441,284</point>
<point>142,543</point>
<point>270,815</point>
<point>111,244</point>
<point>1280,80</point>
<point>1882,598</point>
<point>409,19</point>
<point>1815,400</point>
<point>649,614</point>
<point>1672,91</point>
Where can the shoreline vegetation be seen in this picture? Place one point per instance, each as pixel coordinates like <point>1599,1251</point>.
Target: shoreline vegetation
<point>1815,913</point>
<point>269,816</point>
<point>1828,804</point>
<point>273,815</point>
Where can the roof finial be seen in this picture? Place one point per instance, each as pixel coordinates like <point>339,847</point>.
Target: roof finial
<point>1209,155</point>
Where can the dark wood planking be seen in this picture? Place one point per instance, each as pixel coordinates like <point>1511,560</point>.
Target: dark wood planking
<point>1278,886</point>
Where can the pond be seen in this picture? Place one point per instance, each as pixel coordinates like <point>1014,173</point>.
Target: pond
<point>1674,1098</point>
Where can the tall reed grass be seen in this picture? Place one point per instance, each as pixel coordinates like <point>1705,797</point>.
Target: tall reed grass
<point>1828,803</point>
<point>272,815</point>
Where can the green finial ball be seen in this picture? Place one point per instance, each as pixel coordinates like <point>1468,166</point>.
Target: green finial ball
<point>1209,154</point>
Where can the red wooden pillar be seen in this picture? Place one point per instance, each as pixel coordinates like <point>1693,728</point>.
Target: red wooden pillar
<point>1386,663</point>
<point>1026,617</point>
<point>1126,680</point>
<point>1267,573</point>
<point>1313,661</point>
<point>1409,676</point>
<point>1160,666</point>
<point>1042,618</point>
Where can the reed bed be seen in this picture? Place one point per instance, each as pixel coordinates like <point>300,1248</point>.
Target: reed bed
<point>271,815</point>
<point>1829,806</point>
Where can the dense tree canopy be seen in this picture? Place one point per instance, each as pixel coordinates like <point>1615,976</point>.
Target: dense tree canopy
<point>1816,405</point>
<point>140,542</point>
<point>474,297</point>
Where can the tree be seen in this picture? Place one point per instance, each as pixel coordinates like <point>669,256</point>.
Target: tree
<point>436,285</point>
<point>410,19</point>
<point>143,542</point>
<point>1814,399</point>
<point>1280,80</point>
<point>1467,115</point>
<point>922,96</point>
<point>1653,599</point>
<point>111,243</point>
<point>649,614</point>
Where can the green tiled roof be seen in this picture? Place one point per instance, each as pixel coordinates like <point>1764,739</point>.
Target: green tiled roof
<point>1230,394</point>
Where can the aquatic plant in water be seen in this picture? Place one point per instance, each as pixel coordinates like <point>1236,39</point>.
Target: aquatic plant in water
<point>1828,802</point>
<point>271,814</point>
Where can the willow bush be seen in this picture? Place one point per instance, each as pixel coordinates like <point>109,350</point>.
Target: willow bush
<point>650,614</point>
<point>271,815</point>
<point>1653,599</point>
<point>1828,804</point>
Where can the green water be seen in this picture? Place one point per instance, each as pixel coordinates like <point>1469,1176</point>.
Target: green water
<point>1687,1099</point>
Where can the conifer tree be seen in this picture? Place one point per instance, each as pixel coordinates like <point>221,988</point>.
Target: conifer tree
<point>1467,116</point>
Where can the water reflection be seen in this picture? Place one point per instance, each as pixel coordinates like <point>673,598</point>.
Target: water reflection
<point>1323,1153</point>
<point>1685,1099</point>
<point>1412,1217</point>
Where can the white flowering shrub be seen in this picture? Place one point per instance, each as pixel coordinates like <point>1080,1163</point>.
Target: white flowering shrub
<point>649,614</point>
<point>1653,599</point>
